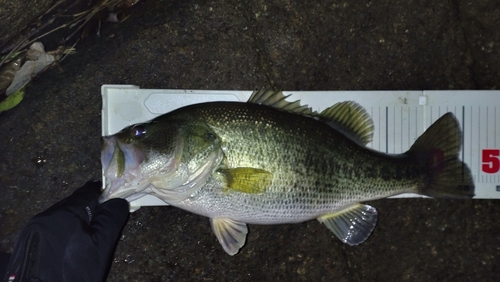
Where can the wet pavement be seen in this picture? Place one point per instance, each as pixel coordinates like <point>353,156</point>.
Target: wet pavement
<point>50,142</point>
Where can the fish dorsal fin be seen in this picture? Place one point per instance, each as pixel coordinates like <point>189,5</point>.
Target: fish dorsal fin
<point>351,119</point>
<point>276,99</point>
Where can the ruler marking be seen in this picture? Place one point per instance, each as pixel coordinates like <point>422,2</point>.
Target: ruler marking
<point>392,144</point>
<point>409,122</point>
<point>401,114</point>
<point>479,136</point>
<point>380,131</point>
<point>416,122</point>
<point>394,128</point>
<point>386,130</point>
<point>431,118</point>
<point>470,151</point>
<point>487,119</point>
<point>463,133</point>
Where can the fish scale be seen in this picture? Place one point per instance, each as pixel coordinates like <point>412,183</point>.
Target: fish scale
<point>266,146</point>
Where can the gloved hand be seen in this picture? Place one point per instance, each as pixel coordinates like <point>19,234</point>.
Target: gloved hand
<point>74,240</point>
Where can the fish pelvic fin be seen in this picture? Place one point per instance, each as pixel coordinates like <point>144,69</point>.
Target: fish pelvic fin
<point>352,225</point>
<point>436,151</point>
<point>231,234</point>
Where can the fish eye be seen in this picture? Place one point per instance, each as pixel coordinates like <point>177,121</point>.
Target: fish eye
<point>210,136</point>
<point>139,131</point>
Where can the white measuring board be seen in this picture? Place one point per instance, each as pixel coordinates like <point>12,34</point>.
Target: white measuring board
<point>400,117</point>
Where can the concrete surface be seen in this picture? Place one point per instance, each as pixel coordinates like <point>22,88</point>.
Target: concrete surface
<point>50,142</point>
<point>16,14</point>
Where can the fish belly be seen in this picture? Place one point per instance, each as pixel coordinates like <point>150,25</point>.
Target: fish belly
<point>270,207</point>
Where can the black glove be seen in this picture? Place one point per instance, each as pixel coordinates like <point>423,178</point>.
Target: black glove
<point>74,240</point>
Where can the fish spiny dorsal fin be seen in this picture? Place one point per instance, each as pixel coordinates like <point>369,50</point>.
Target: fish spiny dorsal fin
<point>276,99</point>
<point>351,119</point>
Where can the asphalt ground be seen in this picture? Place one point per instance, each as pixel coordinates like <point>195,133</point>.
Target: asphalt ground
<point>50,143</point>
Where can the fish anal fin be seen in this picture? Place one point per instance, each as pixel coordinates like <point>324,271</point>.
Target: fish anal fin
<point>230,233</point>
<point>351,119</point>
<point>246,179</point>
<point>352,225</point>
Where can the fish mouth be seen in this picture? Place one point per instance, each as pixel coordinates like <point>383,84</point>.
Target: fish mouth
<point>120,165</point>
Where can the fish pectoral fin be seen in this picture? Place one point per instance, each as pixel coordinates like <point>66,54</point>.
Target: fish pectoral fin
<point>352,225</point>
<point>230,233</point>
<point>247,180</point>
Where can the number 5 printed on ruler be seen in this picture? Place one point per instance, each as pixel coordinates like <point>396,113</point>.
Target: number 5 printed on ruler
<point>491,160</point>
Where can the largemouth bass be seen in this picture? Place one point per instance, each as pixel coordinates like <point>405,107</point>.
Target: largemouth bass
<point>269,161</point>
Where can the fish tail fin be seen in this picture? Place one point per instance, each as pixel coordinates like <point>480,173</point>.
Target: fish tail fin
<point>436,151</point>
